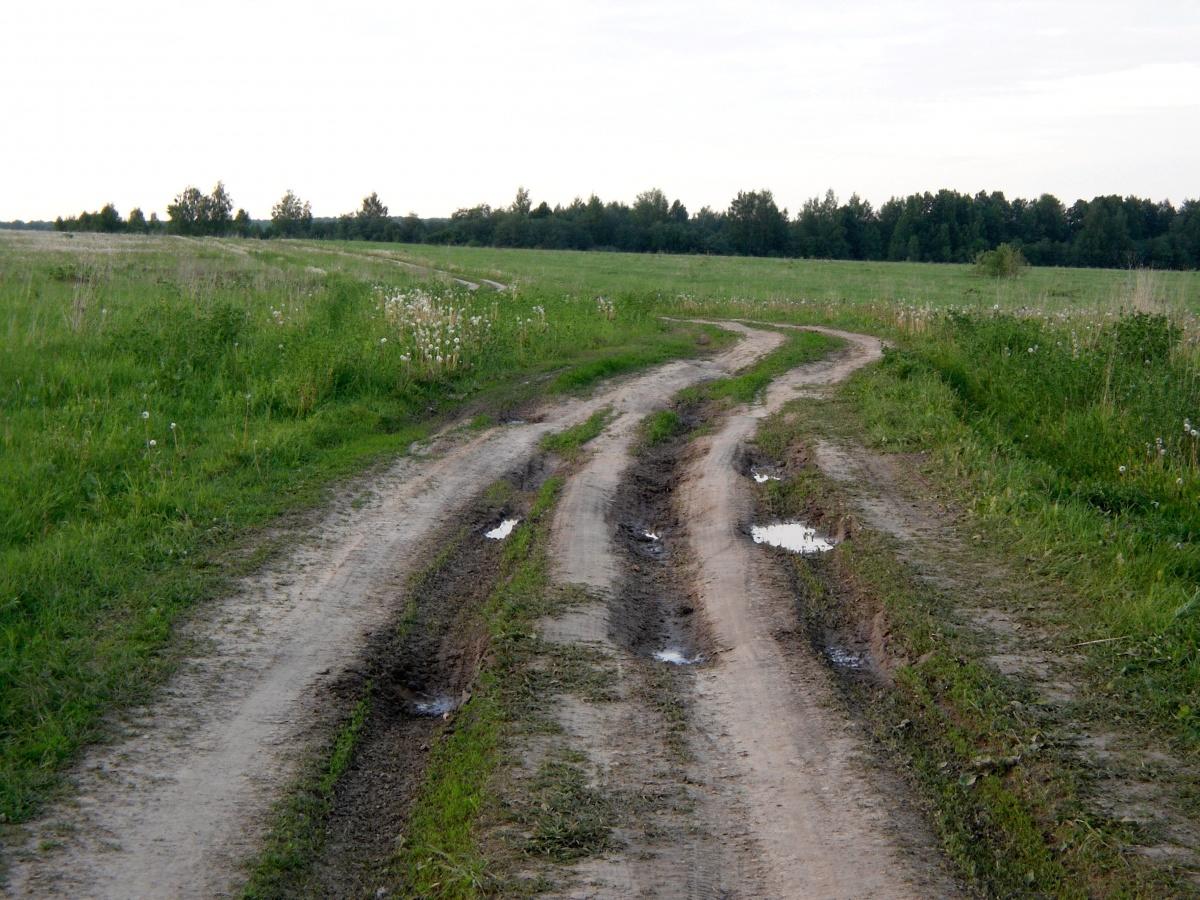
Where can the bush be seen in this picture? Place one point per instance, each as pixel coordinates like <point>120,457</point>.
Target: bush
<point>1006,261</point>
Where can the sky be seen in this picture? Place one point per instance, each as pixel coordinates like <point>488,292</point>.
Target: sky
<point>438,106</point>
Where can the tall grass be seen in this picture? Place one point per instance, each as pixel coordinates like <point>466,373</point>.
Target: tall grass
<point>1078,436</point>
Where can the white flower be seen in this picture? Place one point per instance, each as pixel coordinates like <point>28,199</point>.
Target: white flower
<point>145,413</point>
<point>1121,469</point>
<point>172,426</point>
<point>383,340</point>
<point>153,442</point>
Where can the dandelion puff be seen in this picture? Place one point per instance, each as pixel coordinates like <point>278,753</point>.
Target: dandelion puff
<point>1178,481</point>
<point>153,443</point>
<point>145,413</point>
<point>172,426</point>
<point>1121,469</point>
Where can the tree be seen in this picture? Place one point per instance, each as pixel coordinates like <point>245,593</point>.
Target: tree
<point>109,220</point>
<point>218,207</point>
<point>372,219</point>
<point>291,217</point>
<point>186,214</point>
<point>242,226</point>
<point>756,225</point>
<point>651,207</point>
<point>137,221</point>
<point>521,203</point>
<point>194,213</point>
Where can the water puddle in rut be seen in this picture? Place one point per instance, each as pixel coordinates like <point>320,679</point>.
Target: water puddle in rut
<point>503,530</point>
<point>676,657</point>
<point>434,706</point>
<point>794,536</point>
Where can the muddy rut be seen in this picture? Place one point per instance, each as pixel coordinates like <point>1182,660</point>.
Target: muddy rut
<point>782,798</point>
<point>178,800</point>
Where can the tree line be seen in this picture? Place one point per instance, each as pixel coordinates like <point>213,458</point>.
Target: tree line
<point>948,226</point>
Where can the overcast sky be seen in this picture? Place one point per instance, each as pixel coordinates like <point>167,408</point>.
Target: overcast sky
<point>447,104</point>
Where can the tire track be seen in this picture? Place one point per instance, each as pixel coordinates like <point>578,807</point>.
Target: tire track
<point>823,827</point>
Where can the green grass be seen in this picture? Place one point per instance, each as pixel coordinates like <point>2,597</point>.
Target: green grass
<point>701,279</point>
<point>1059,456</point>
<point>278,380</point>
<point>799,347</point>
<point>659,427</point>
<point>568,442</point>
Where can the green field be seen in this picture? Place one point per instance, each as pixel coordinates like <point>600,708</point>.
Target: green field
<point>161,400</point>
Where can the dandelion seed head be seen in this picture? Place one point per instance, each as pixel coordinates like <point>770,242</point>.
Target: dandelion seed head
<point>1121,469</point>
<point>145,413</point>
<point>153,442</point>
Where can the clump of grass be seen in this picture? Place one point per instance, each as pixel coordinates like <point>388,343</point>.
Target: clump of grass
<point>798,348</point>
<point>659,427</point>
<point>568,442</point>
<point>568,819</point>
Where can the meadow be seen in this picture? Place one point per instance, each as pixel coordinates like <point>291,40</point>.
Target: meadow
<point>162,399</point>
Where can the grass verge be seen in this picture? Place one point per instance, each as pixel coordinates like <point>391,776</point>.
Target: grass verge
<point>1007,795</point>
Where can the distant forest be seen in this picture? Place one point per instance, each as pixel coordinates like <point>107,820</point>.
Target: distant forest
<point>1109,231</point>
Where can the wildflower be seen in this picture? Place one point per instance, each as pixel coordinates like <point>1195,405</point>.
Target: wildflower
<point>172,426</point>
<point>383,340</point>
<point>1121,469</point>
<point>153,443</point>
<point>145,413</point>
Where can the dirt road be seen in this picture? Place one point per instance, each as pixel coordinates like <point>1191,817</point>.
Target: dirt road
<point>174,805</point>
<point>774,794</point>
<point>784,801</point>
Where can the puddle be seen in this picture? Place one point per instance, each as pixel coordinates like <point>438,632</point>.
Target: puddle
<point>843,659</point>
<point>676,657</point>
<point>762,477</point>
<point>434,707</point>
<point>503,530</point>
<point>794,536</point>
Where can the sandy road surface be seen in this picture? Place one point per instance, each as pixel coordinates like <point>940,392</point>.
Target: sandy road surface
<point>783,800</point>
<point>823,827</point>
<point>174,805</point>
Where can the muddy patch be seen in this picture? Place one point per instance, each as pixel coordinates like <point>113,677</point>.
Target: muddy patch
<point>418,671</point>
<point>652,614</point>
